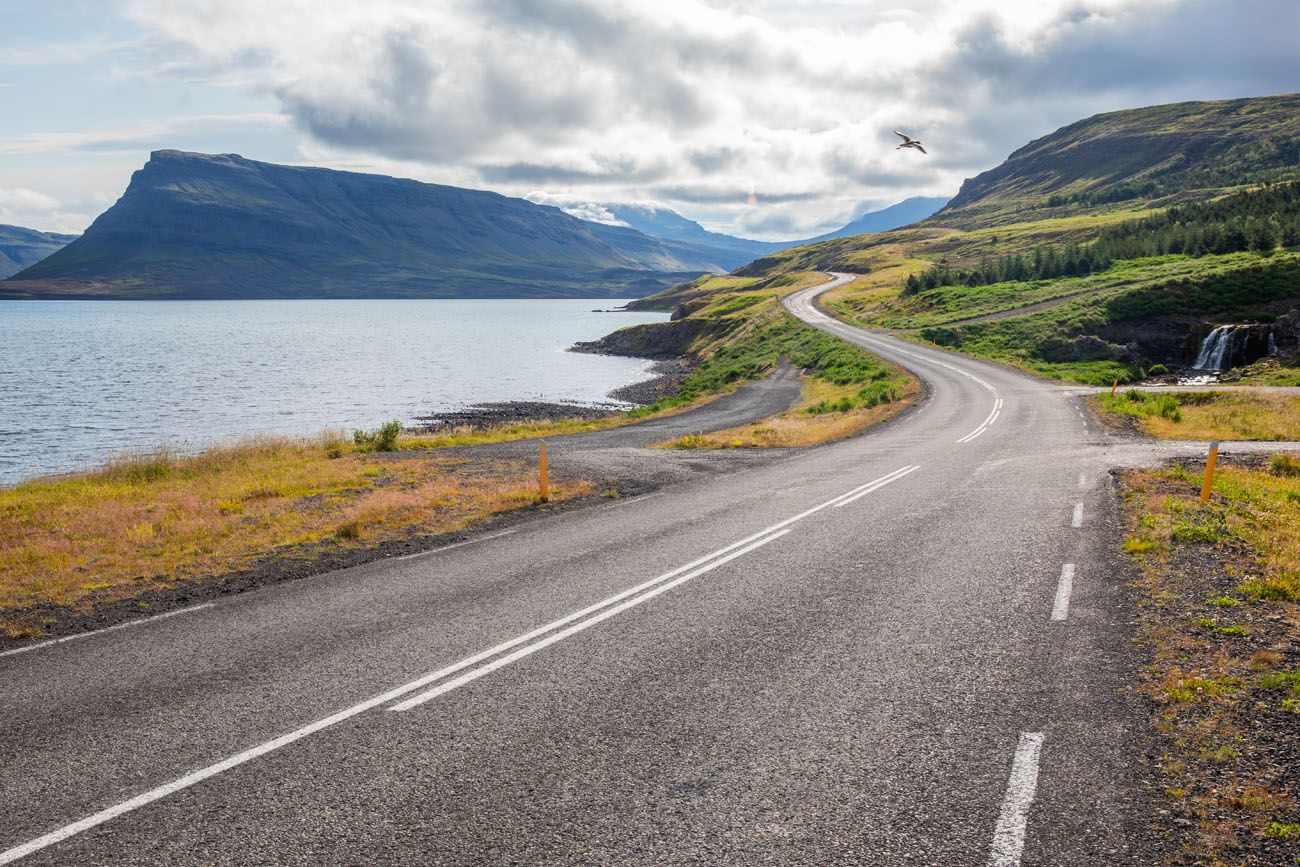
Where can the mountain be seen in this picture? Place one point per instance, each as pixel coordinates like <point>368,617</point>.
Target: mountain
<point>1147,154</point>
<point>896,216</point>
<point>221,226</point>
<point>665,223</point>
<point>1101,252</point>
<point>21,247</point>
<point>732,252</point>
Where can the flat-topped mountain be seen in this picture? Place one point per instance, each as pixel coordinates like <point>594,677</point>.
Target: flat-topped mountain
<point>221,226</point>
<point>21,247</point>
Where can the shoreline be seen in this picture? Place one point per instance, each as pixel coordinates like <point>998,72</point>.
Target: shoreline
<point>668,374</point>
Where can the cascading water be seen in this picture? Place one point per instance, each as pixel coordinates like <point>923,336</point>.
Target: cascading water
<point>1216,349</point>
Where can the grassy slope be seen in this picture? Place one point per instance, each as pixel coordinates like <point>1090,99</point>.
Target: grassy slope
<point>1063,189</point>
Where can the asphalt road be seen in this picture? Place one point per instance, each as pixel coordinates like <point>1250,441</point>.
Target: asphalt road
<point>868,653</point>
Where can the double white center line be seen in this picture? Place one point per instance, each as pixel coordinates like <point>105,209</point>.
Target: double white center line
<point>478,665</point>
<point>992,417</point>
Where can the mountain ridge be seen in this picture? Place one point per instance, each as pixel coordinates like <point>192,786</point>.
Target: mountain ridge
<point>222,226</point>
<point>21,247</point>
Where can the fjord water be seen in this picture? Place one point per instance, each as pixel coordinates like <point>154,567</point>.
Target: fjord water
<point>80,380</point>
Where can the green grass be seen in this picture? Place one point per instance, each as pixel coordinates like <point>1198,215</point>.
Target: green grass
<point>1142,404</point>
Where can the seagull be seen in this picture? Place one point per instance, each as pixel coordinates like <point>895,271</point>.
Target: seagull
<point>909,142</point>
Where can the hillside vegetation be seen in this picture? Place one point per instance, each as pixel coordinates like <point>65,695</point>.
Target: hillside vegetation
<point>1102,251</point>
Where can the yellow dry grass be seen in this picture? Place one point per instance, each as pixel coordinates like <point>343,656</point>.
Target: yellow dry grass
<point>1231,416</point>
<point>797,426</point>
<point>148,522</point>
<point>1227,415</point>
<point>1221,634</point>
<point>1265,512</point>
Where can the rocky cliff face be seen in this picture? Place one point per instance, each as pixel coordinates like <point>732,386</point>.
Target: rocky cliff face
<point>202,226</point>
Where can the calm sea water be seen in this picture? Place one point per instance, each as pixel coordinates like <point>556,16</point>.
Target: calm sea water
<point>80,380</point>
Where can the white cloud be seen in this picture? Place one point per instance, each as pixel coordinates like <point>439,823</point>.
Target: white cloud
<point>21,206</point>
<point>700,104</point>
<point>583,210</point>
<point>133,138</point>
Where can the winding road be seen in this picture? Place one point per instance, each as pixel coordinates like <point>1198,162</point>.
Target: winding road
<point>910,647</point>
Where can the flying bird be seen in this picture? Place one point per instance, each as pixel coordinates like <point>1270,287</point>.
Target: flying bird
<point>909,142</point>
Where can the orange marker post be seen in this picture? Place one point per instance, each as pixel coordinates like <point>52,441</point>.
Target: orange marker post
<point>1209,472</point>
<point>543,474</point>
<point>1114,386</point>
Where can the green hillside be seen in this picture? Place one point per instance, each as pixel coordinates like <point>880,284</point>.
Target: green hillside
<point>1097,252</point>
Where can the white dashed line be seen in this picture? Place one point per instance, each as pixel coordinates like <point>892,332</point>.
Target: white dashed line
<point>1009,838</point>
<point>1061,608</point>
<point>1077,520</point>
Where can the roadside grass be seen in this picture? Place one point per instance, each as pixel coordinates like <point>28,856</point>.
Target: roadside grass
<point>826,412</point>
<point>846,389</point>
<point>1219,614</point>
<point>1205,415</point>
<point>152,521</point>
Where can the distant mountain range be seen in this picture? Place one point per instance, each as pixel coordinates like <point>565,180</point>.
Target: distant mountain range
<point>660,222</point>
<point>21,247</point>
<point>896,216</point>
<point>666,223</point>
<point>222,226</point>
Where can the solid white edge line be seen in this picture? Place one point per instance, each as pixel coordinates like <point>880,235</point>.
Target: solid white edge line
<point>1061,607</point>
<point>109,813</point>
<point>451,546</point>
<point>503,661</point>
<point>1009,837</point>
<point>128,625</point>
<point>1077,519</point>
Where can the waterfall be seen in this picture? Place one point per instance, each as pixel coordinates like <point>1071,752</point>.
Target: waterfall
<point>1216,349</point>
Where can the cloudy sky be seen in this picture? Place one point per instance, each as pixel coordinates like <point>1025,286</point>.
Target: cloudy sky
<point>756,117</point>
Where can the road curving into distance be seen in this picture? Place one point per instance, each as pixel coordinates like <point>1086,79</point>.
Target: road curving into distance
<point>910,647</point>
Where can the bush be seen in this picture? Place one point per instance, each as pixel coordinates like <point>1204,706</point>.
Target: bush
<point>381,440</point>
<point>1157,370</point>
<point>1284,464</point>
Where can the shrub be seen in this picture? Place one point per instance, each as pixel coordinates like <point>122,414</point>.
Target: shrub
<point>1157,370</point>
<point>1283,464</point>
<point>381,440</point>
